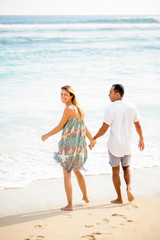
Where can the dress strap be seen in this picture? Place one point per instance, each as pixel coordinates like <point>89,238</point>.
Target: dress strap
<point>74,112</point>
<point>74,109</point>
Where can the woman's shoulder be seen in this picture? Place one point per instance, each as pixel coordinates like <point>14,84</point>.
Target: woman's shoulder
<point>69,110</point>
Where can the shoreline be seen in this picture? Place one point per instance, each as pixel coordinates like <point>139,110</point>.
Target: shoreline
<point>89,175</point>
<point>52,194</point>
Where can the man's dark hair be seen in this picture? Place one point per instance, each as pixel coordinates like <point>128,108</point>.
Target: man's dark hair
<point>119,88</point>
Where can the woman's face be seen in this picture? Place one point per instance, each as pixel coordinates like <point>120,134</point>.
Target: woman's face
<point>65,97</point>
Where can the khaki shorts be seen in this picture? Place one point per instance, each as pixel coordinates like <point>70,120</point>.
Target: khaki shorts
<point>115,161</point>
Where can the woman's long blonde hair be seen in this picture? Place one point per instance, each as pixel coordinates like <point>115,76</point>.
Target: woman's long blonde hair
<point>74,99</point>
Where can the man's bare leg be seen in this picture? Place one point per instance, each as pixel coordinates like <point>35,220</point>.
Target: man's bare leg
<point>82,185</point>
<point>117,184</point>
<point>127,178</point>
<point>68,189</point>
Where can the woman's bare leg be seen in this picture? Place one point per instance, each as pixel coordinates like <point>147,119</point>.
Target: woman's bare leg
<point>68,189</point>
<point>82,185</point>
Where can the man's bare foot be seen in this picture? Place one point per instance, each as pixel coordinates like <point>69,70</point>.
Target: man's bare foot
<point>67,208</point>
<point>130,196</point>
<point>85,199</point>
<point>118,201</point>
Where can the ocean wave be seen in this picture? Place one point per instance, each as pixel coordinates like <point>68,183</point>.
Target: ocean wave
<point>11,20</point>
<point>46,39</point>
<point>80,43</point>
<point>75,27</point>
<point>132,20</point>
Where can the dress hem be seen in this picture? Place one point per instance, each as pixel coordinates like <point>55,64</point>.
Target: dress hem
<point>57,158</point>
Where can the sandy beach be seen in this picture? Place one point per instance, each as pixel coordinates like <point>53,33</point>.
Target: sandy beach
<point>34,212</point>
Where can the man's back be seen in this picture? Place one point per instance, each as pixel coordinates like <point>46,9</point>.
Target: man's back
<point>120,116</point>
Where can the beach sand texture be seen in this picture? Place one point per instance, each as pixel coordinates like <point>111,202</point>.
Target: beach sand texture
<point>97,220</point>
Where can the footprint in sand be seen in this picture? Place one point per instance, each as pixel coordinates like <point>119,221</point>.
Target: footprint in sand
<point>97,233</point>
<point>131,207</point>
<point>129,220</point>
<point>113,227</point>
<point>38,226</point>
<point>117,215</point>
<point>37,238</point>
<point>106,220</point>
<point>89,237</point>
<point>122,224</point>
<point>89,226</point>
<point>134,206</point>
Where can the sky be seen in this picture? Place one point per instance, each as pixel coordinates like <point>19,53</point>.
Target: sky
<point>79,7</point>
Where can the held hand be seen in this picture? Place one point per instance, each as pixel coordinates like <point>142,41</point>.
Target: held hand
<point>141,145</point>
<point>44,137</point>
<point>92,144</point>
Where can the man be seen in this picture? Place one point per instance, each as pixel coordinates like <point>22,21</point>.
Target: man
<point>120,116</point>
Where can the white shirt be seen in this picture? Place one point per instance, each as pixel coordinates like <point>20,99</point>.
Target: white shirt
<point>120,116</point>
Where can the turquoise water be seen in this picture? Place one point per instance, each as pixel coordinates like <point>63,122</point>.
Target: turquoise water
<point>39,54</point>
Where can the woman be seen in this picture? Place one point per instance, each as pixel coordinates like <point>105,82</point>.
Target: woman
<point>72,153</point>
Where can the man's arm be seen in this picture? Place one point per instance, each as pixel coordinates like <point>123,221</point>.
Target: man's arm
<point>101,131</point>
<point>139,131</point>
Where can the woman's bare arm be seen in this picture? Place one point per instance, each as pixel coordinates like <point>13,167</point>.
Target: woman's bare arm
<point>67,114</point>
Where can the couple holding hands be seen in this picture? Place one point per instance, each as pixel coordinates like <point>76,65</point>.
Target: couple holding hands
<point>120,117</point>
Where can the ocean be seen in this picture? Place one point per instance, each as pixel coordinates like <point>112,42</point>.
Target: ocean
<point>39,54</point>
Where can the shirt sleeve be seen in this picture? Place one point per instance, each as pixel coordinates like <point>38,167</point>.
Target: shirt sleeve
<point>136,115</point>
<point>108,117</point>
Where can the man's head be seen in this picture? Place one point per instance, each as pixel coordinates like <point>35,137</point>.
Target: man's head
<point>116,92</point>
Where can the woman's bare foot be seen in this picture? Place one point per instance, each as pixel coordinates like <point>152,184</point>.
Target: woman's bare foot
<point>130,195</point>
<point>118,201</point>
<point>67,208</point>
<point>85,199</point>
